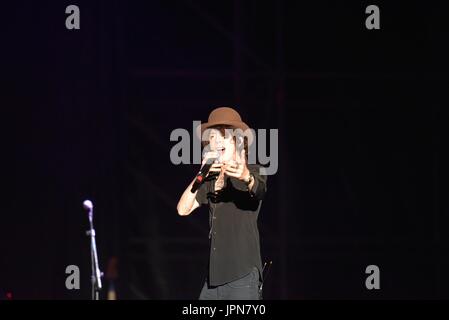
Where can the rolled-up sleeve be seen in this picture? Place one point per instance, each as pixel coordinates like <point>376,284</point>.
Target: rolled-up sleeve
<point>260,183</point>
<point>201,195</point>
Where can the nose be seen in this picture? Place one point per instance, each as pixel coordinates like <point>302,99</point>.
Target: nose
<point>219,141</point>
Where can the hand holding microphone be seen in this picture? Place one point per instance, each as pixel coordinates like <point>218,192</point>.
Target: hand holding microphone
<point>211,163</point>
<point>208,163</point>
<point>217,165</point>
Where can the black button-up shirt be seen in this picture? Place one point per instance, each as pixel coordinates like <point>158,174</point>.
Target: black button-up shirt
<point>234,235</point>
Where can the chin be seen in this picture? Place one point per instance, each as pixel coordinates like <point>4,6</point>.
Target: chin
<point>226,158</point>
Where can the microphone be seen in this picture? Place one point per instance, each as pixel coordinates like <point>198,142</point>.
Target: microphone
<point>96,273</point>
<point>87,204</point>
<point>201,175</point>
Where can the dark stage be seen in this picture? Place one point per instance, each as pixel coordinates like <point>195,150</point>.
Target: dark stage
<point>362,118</point>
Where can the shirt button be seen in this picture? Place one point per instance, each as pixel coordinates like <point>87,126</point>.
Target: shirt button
<point>214,218</point>
<point>214,248</point>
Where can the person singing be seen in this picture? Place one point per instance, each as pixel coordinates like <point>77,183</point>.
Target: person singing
<point>233,191</point>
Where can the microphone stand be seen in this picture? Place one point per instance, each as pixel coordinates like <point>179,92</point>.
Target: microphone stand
<point>96,274</point>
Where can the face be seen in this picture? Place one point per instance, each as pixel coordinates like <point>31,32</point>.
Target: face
<point>225,145</point>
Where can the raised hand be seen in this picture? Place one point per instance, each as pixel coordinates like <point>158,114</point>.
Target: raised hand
<point>238,169</point>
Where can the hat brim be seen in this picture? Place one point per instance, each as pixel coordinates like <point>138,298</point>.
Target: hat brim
<point>235,124</point>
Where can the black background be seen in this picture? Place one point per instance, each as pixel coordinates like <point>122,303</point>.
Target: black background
<point>362,118</point>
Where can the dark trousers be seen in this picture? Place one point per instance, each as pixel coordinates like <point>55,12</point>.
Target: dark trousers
<point>245,288</point>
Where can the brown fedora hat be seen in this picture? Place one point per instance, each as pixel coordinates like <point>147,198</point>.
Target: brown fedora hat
<point>225,116</point>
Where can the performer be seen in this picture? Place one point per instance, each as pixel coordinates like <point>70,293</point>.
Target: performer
<point>233,190</point>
